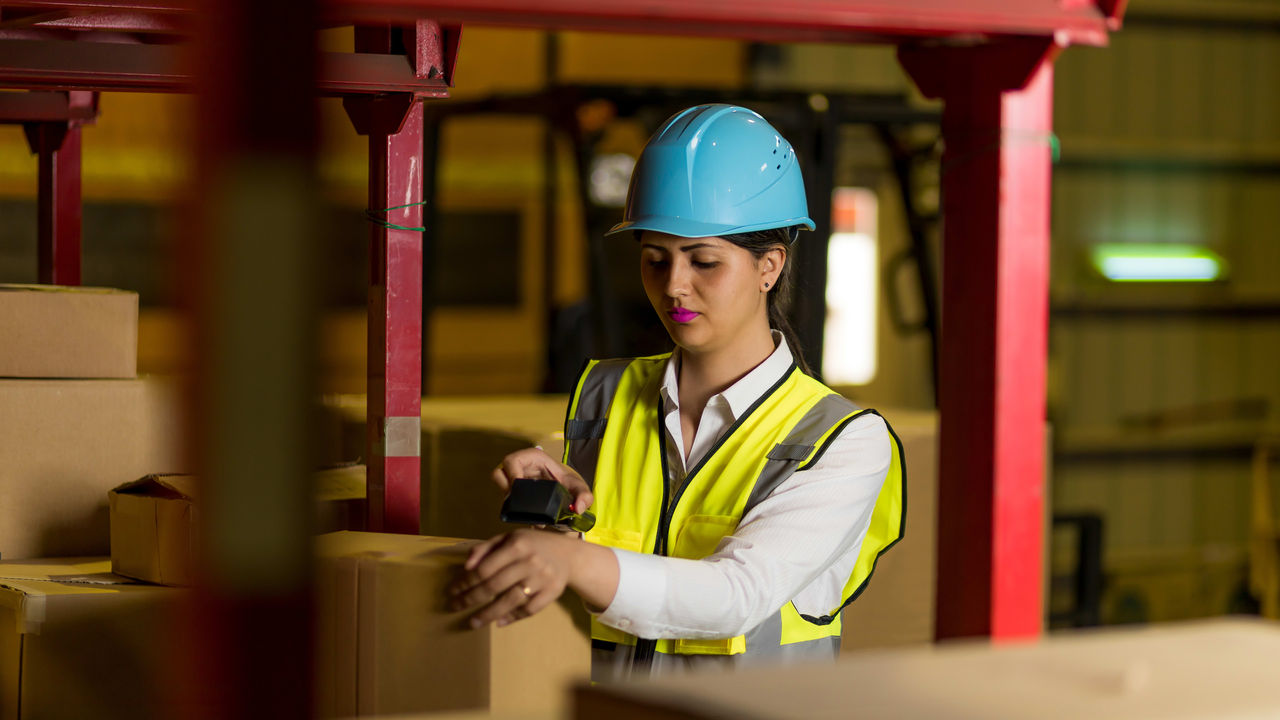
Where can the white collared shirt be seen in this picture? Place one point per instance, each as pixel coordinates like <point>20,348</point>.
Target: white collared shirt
<point>799,544</point>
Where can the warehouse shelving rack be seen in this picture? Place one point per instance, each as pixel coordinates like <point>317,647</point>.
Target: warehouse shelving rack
<point>255,70</point>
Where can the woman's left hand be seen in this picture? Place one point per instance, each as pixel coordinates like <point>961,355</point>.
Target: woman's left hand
<point>513,576</point>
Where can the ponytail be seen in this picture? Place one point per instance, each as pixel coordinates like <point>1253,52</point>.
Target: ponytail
<point>778,300</point>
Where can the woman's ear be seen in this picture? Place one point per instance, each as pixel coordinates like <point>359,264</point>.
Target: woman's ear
<point>771,264</point>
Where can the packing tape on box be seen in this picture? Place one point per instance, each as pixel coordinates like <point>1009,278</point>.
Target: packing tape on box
<point>28,598</point>
<point>401,437</point>
<point>27,606</point>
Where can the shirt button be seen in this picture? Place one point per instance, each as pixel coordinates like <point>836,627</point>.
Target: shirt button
<point>624,624</point>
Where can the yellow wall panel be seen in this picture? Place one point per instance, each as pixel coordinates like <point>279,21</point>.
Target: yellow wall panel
<point>843,68</point>
<point>134,151</point>
<point>499,60</point>
<point>651,60</point>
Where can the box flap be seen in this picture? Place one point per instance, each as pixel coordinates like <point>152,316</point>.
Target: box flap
<point>26,587</point>
<point>171,486</point>
<point>341,483</point>
<point>348,543</point>
<point>24,287</point>
<point>84,571</point>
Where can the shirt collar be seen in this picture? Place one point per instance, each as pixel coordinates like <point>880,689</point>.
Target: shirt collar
<point>741,395</point>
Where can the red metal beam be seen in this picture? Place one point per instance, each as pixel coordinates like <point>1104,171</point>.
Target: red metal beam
<point>127,22</point>
<point>796,20</point>
<point>158,68</point>
<point>43,106</point>
<point>997,124</point>
<point>82,6</point>
<point>1074,21</point>
<point>1113,10</point>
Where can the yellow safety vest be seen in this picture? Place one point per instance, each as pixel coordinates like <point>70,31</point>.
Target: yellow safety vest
<point>614,438</point>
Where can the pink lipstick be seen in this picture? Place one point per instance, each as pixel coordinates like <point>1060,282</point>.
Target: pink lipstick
<point>682,315</point>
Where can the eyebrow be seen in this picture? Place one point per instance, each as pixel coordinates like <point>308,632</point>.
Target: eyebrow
<point>683,248</point>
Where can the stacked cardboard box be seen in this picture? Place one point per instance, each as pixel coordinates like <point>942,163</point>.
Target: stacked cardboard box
<point>74,420</point>
<point>1207,669</point>
<point>153,521</point>
<point>463,440</point>
<point>79,642</point>
<point>54,331</point>
<point>897,607</point>
<point>388,645</point>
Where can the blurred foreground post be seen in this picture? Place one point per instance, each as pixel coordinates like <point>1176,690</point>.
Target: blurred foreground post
<point>249,260</point>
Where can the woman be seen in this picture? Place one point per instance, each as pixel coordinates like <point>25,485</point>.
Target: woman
<point>740,503</point>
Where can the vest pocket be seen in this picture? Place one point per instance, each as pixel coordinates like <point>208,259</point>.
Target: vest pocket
<point>721,646</point>
<point>701,535</point>
<point>616,538</point>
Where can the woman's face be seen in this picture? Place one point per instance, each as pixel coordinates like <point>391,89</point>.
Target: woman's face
<point>708,292</point>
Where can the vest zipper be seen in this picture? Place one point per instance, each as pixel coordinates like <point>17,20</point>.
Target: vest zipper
<point>645,649</point>
<point>642,660</point>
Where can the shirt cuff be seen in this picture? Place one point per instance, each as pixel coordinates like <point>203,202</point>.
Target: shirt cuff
<point>641,593</point>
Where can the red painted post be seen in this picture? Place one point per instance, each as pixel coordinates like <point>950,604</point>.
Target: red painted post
<point>52,122</point>
<point>58,200</point>
<point>395,328</point>
<point>997,125</point>
<point>394,125</point>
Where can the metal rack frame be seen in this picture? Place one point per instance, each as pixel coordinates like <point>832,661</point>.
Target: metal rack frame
<point>990,61</point>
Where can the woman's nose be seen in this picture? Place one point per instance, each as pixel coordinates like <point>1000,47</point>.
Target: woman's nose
<point>677,280</point>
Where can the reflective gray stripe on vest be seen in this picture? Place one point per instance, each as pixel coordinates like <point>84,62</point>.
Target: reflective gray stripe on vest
<point>798,445</point>
<point>583,431</point>
<point>612,662</point>
<point>764,645</point>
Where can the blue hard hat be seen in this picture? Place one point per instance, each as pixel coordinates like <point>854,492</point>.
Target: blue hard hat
<point>715,170</point>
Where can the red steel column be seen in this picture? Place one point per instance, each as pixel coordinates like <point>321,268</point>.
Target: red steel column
<point>997,124</point>
<point>394,124</point>
<point>59,209</point>
<point>57,143</point>
<point>395,328</point>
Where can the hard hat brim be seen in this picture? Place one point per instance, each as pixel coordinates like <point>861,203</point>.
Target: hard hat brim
<point>683,227</point>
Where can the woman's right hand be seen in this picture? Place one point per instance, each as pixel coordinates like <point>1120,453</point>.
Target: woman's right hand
<point>535,463</point>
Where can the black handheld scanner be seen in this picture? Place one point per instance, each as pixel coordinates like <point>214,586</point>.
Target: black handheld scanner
<point>543,502</point>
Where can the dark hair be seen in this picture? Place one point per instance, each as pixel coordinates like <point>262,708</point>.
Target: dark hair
<point>758,243</point>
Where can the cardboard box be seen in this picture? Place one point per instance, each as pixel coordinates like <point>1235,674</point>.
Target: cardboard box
<point>153,521</point>
<point>79,642</point>
<point>1213,669</point>
<point>52,331</point>
<point>463,440</point>
<point>64,444</point>
<point>470,438</point>
<point>897,607</point>
<point>387,644</point>
<point>340,499</point>
<point>153,529</point>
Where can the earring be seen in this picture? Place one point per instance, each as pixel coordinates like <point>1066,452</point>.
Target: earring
<point>766,286</point>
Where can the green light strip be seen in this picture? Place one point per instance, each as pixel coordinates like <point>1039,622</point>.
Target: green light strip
<point>1160,262</point>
